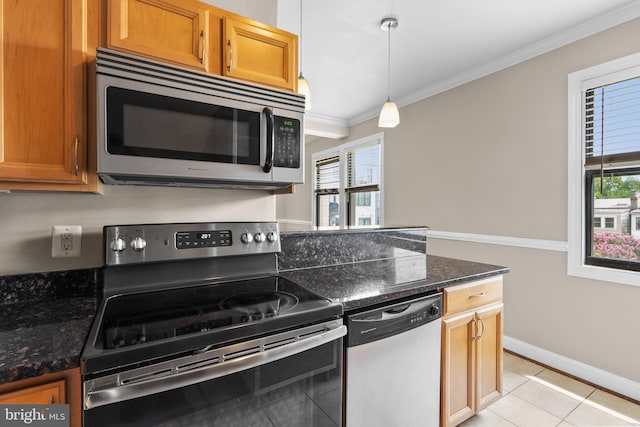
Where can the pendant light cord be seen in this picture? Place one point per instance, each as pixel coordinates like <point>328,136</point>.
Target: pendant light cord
<point>301,37</point>
<point>388,62</point>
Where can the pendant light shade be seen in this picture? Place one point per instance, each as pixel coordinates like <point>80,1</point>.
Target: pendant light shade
<point>389,115</point>
<point>303,84</point>
<point>303,89</point>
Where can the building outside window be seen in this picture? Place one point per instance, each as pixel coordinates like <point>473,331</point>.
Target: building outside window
<point>348,184</point>
<point>604,171</point>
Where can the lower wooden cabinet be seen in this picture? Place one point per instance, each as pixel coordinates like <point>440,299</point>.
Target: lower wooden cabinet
<point>61,387</point>
<point>51,392</point>
<point>471,351</point>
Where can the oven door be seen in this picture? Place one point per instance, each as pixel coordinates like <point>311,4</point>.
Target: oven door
<point>292,378</point>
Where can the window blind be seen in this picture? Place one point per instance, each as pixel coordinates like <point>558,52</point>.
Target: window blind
<point>328,175</point>
<point>363,168</point>
<point>612,124</point>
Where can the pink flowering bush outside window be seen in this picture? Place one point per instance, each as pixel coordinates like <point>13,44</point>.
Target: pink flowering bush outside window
<point>616,246</point>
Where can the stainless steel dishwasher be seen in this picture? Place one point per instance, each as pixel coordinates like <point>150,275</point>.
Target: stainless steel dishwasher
<point>393,365</point>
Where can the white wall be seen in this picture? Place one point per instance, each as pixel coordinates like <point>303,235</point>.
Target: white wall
<point>490,158</point>
<point>26,219</point>
<point>260,10</point>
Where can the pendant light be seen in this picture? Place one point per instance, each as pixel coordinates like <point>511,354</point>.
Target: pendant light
<point>303,85</point>
<point>389,115</point>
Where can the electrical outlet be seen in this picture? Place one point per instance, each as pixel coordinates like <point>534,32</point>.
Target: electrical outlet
<point>66,241</point>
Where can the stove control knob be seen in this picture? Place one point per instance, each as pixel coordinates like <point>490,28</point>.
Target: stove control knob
<point>246,237</point>
<point>272,236</point>
<point>118,245</point>
<point>138,244</point>
<point>259,237</point>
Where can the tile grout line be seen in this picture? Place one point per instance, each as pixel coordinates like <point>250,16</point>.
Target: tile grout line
<point>535,405</point>
<point>581,402</point>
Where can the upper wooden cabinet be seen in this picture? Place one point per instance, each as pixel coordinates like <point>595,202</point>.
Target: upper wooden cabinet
<point>184,32</point>
<point>200,36</point>
<point>43,141</point>
<point>259,53</point>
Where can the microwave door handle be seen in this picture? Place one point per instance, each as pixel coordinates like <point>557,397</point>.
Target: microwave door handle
<point>268,162</point>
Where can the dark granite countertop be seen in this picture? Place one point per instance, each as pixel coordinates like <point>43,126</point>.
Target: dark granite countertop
<point>41,337</point>
<point>368,283</point>
<point>44,321</point>
<point>45,318</point>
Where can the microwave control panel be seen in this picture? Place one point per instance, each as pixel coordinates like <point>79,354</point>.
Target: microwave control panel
<point>287,141</point>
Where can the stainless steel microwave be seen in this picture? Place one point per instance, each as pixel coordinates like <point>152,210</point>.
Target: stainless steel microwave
<point>159,124</point>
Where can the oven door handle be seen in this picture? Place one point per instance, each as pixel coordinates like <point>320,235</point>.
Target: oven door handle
<point>96,395</point>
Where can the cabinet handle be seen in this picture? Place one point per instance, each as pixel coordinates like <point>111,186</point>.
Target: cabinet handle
<point>202,46</point>
<point>475,329</point>
<point>230,51</point>
<point>480,295</point>
<point>77,167</point>
<point>52,399</point>
<point>481,323</point>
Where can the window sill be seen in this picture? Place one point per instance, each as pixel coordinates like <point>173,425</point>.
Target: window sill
<point>623,277</point>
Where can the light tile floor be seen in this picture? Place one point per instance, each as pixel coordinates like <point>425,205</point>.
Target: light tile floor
<point>537,397</point>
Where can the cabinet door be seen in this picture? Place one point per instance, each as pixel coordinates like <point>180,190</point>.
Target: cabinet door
<point>43,138</point>
<point>458,369</point>
<point>259,53</point>
<point>489,355</point>
<point>52,392</point>
<point>170,30</point>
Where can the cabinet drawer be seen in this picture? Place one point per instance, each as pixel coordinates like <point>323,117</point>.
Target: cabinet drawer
<point>471,295</point>
<point>43,394</point>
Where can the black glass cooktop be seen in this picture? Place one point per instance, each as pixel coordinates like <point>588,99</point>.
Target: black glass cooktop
<point>138,319</point>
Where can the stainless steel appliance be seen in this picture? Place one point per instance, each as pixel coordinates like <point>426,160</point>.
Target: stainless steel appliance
<point>393,365</point>
<point>196,328</point>
<point>159,124</point>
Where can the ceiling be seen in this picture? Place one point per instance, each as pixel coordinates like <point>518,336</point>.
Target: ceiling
<point>439,44</point>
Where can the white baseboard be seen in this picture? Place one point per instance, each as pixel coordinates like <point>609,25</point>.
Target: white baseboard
<point>589,373</point>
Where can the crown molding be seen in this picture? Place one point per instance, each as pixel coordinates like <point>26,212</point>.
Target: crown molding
<point>578,32</point>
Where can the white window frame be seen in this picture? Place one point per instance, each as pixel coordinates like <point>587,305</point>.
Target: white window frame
<point>341,152</point>
<point>579,81</point>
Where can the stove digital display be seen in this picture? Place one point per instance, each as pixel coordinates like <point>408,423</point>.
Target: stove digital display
<point>203,239</point>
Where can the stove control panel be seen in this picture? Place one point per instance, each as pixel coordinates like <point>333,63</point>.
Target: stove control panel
<point>132,244</point>
<point>200,239</point>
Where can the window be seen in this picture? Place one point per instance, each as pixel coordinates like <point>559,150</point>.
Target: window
<point>638,223</point>
<point>348,184</point>
<point>604,171</point>
<point>609,222</point>
<point>363,199</point>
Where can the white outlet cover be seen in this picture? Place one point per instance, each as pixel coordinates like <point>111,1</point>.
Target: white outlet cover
<point>57,251</point>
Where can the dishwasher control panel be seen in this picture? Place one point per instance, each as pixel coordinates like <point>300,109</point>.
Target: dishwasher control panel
<point>392,319</point>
